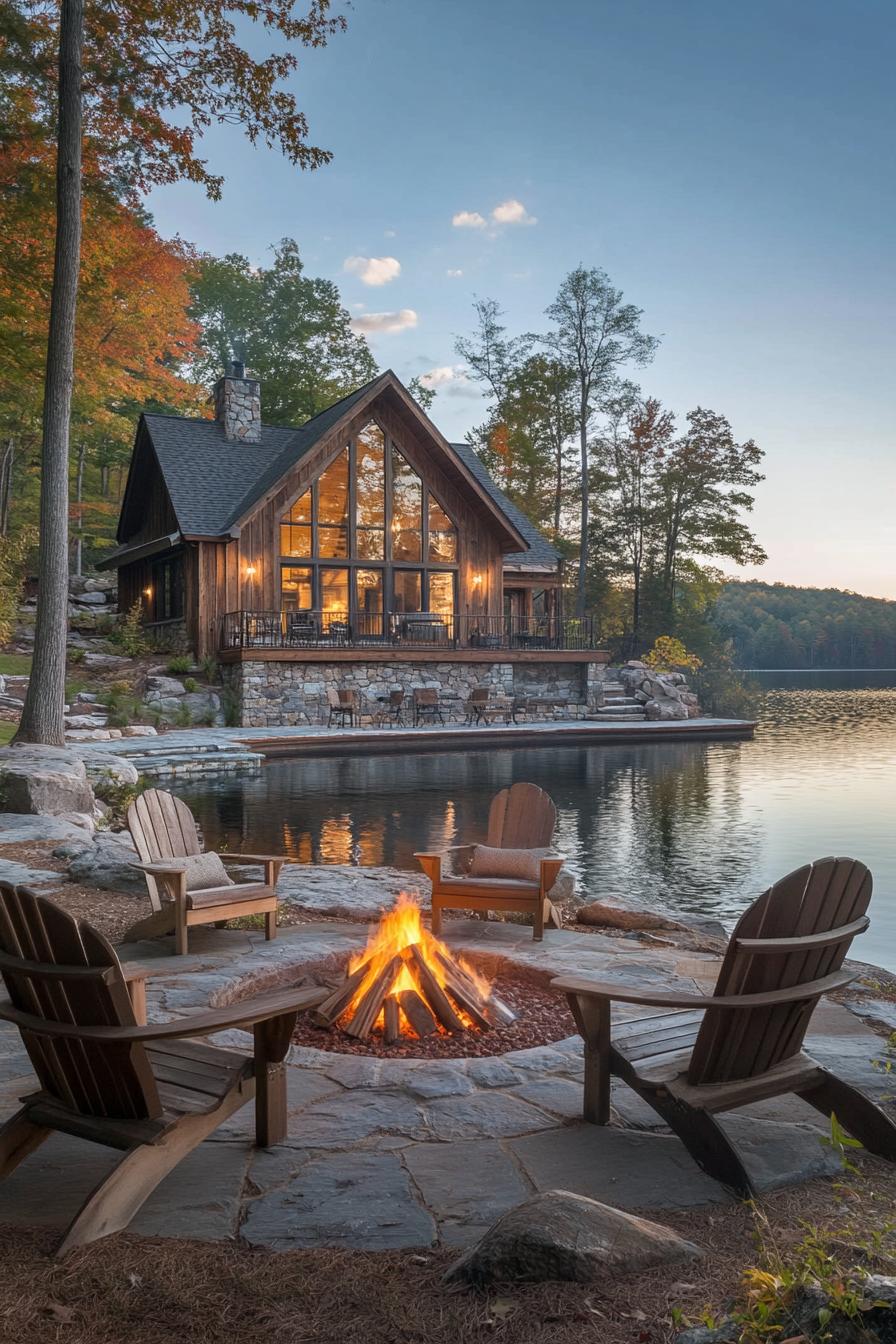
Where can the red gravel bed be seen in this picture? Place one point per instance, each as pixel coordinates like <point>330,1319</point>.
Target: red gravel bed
<point>542,1017</point>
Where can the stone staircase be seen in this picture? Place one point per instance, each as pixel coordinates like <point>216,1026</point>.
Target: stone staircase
<point>617,707</point>
<point>158,761</point>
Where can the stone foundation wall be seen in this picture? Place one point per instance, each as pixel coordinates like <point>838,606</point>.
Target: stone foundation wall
<point>272,694</point>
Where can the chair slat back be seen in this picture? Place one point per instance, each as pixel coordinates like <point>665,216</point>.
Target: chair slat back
<point>521,817</point>
<point>113,1081</point>
<point>822,898</point>
<point>162,827</point>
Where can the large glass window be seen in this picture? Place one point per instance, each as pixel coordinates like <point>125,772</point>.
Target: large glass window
<point>370,511</point>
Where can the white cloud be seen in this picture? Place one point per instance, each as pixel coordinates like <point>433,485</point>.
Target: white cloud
<point>453,275</point>
<point>390,233</point>
<point>373,270</point>
<point>468,219</point>
<point>401,320</point>
<point>442,374</point>
<point>512,212</point>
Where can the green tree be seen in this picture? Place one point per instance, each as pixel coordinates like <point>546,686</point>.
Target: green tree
<point>292,328</point>
<point>594,335</point>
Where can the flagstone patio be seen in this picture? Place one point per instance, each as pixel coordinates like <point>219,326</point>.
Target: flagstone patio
<point>384,1154</point>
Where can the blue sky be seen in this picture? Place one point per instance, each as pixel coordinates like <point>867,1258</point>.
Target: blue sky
<point>729,164</point>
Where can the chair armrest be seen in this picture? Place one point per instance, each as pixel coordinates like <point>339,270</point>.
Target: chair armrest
<point>550,871</point>
<point>261,1008</point>
<point>254,858</point>
<point>161,868</point>
<point>132,970</point>
<point>602,989</point>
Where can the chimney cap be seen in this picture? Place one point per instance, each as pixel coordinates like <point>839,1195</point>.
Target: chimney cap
<point>236,368</point>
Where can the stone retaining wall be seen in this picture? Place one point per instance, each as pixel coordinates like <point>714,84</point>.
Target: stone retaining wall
<point>272,694</point>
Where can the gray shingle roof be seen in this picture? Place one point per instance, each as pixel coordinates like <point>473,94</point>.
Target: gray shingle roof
<point>213,483</point>
<point>540,552</point>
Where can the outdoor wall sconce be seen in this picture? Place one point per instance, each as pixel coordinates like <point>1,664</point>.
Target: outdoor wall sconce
<point>251,571</point>
<point>477,580</point>
<point>147,592</point>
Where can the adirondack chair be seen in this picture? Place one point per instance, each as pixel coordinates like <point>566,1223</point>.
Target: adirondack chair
<point>164,831</point>
<point>521,817</point>
<point>707,1055</point>
<point>104,1075</point>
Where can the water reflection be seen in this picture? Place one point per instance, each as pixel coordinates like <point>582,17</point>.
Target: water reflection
<point>700,827</point>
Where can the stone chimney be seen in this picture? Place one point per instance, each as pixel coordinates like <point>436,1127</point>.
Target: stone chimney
<point>238,404</point>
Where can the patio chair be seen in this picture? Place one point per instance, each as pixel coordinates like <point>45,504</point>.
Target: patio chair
<point>105,1076</point>
<point>390,710</point>
<point>300,627</point>
<point>521,820</point>
<point>164,833</point>
<point>743,1043</point>
<point>426,705</point>
<point>342,705</point>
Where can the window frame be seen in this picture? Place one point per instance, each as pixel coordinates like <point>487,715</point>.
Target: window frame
<point>353,561</point>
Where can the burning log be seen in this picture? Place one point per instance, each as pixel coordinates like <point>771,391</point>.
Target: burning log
<point>433,992</point>
<point>368,1010</point>
<point>419,1018</point>
<point>391,1020</point>
<point>334,1006</point>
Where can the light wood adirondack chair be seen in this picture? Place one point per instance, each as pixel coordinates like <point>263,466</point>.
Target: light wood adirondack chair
<point>521,817</point>
<point>163,830</point>
<point>106,1076</point>
<point>744,1043</point>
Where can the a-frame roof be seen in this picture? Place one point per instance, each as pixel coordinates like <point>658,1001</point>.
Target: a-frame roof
<point>214,485</point>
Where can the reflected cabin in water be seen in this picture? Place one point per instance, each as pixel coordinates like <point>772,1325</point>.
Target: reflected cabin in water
<point>358,550</point>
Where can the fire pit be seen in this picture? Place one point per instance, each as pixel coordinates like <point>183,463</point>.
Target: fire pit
<point>408,983</point>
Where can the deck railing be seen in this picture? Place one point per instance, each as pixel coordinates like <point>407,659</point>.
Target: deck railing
<point>418,629</point>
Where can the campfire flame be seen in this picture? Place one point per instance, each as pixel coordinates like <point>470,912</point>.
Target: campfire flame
<point>397,930</point>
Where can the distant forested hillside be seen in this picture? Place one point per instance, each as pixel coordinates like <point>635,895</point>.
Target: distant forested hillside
<point>775,625</point>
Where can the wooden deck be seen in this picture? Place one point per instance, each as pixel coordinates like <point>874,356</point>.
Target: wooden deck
<point>459,737</point>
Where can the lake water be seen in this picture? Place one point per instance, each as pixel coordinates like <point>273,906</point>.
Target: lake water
<point>699,827</point>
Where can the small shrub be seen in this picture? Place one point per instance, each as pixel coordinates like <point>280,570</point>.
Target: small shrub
<point>179,665</point>
<point>183,718</point>
<point>670,655</point>
<point>129,635</point>
<point>726,694</point>
<point>75,656</point>
<point>191,685</point>
<point>210,669</point>
<point>13,555</point>
<point>120,687</point>
<point>230,707</point>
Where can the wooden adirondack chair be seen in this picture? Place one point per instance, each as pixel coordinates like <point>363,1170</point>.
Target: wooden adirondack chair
<point>106,1076</point>
<point>744,1042</point>
<point>521,817</point>
<point>163,831</point>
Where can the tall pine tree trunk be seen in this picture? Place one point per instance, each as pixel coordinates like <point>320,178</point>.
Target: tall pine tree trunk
<point>583,531</point>
<point>43,715</point>
<point>6,466</point>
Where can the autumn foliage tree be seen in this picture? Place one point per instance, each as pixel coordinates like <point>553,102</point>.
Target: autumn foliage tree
<point>138,81</point>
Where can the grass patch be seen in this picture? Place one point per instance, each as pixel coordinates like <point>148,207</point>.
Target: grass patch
<point>6,732</point>
<point>15,664</point>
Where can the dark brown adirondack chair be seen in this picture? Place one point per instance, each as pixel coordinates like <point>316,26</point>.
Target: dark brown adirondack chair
<point>521,817</point>
<point>744,1042</point>
<point>106,1076</point>
<point>163,831</point>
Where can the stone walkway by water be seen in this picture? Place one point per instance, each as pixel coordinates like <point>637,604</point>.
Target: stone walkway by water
<point>395,1153</point>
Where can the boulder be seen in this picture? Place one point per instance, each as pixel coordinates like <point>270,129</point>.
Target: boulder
<point>876,1324</point>
<point>140,730</point>
<point>106,583</point>
<point>105,660</point>
<point>665,709</point>
<point>93,734</point>
<point>158,688</point>
<point>85,720</point>
<point>43,779</point>
<point>612,917</point>
<point>89,599</point>
<point>104,768</point>
<point>107,863</point>
<point>559,1235</point>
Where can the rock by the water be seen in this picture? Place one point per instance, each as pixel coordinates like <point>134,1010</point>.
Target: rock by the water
<point>613,917</point>
<point>560,1235</point>
<point>18,828</point>
<point>107,862</point>
<point>664,709</point>
<point>37,779</point>
<point>348,892</point>
<point>105,768</point>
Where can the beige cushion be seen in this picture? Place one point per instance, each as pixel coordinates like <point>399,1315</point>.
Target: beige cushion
<point>524,865</point>
<point>204,871</point>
